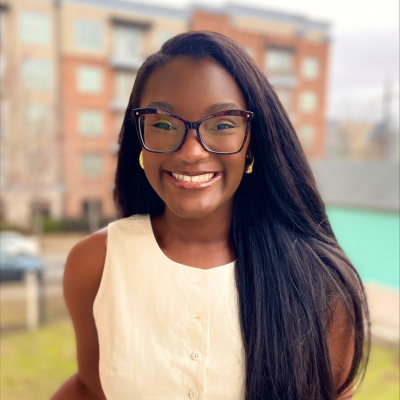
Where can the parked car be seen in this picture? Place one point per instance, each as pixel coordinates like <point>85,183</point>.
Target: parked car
<point>16,243</point>
<point>14,267</point>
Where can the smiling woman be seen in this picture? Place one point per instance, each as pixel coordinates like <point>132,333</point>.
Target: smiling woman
<point>222,278</point>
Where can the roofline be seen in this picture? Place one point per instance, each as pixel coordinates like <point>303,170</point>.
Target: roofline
<point>267,14</point>
<point>228,8</point>
<point>133,6</point>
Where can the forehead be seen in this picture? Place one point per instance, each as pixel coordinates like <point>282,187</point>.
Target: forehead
<point>192,86</point>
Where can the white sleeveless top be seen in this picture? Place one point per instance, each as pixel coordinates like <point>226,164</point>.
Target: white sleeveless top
<point>166,331</point>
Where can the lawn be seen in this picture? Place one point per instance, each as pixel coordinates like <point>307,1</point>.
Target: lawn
<point>34,364</point>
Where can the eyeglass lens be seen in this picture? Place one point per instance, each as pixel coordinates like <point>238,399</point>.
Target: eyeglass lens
<point>223,134</point>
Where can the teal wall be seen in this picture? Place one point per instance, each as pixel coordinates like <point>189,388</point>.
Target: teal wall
<point>371,239</point>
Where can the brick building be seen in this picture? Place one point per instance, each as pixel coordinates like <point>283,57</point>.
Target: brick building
<point>293,53</point>
<point>31,174</point>
<point>76,62</point>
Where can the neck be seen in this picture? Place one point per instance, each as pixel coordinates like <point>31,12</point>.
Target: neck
<point>199,242</point>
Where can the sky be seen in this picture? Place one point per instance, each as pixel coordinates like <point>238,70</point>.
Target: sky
<point>364,55</point>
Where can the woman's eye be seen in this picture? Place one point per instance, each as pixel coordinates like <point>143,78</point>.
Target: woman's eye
<point>224,126</point>
<point>164,126</point>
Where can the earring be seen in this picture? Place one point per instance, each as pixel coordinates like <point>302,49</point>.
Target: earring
<point>141,159</point>
<point>248,169</point>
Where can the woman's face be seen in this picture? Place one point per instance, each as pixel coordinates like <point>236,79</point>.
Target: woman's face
<point>191,89</point>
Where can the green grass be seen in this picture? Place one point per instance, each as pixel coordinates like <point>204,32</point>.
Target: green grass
<point>34,364</point>
<point>381,380</point>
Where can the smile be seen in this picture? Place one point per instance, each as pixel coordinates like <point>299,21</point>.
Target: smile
<point>200,181</point>
<point>194,178</point>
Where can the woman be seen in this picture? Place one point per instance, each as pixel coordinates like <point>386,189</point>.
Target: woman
<point>223,278</point>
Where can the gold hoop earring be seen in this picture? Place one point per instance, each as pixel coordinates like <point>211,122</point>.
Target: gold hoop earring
<point>248,169</point>
<point>141,159</point>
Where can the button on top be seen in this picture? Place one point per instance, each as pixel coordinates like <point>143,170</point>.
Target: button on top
<point>195,355</point>
<point>194,394</point>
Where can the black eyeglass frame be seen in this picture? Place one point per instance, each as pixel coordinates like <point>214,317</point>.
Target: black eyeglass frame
<point>138,112</point>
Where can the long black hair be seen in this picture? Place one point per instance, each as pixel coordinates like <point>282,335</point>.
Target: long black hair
<point>291,275</point>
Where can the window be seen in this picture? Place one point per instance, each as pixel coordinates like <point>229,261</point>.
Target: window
<point>279,60</point>
<point>90,79</point>
<point>91,206</point>
<point>35,28</point>
<point>123,85</point>
<point>308,102</point>
<point>91,165</point>
<point>127,41</point>
<point>306,135</point>
<point>88,34</point>
<point>310,67</point>
<point>286,98</point>
<point>36,117</point>
<point>90,122</point>
<point>36,74</point>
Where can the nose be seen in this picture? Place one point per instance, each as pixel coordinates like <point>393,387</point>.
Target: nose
<point>192,151</point>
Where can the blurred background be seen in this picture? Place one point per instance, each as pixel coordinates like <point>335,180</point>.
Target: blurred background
<point>67,68</point>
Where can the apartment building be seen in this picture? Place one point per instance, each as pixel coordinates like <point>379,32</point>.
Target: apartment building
<point>31,177</point>
<point>68,67</point>
<point>103,45</point>
<point>293,53</point>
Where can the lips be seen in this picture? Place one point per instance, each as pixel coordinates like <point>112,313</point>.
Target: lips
<point>192,180</point>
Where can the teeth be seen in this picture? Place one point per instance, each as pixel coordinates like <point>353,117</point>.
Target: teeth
<point>195,178</point>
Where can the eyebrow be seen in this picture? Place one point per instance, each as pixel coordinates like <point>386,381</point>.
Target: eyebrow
<point>209,110</point>
<point>161,105</point>
<point>221,107</point>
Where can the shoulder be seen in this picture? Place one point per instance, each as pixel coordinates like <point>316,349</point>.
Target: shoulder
<point>85,264</point>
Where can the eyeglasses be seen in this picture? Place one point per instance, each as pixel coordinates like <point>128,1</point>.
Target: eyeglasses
<point>221,133</point>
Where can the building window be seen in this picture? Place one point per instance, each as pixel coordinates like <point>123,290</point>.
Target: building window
<point>310,68</point>
<point>35,28</point>
<point>36,74</point>
<point>88,34</point>
<point>91,207</point>
<point>123,85</point>
<point>308,102</point>
<point>279,60</point>
<point>91,165</point>
<point>90,122</point>
<point>286,98</point>
<point>36,117</point>
<point>306,134</point>
<point>127,41</point>
<point>90,79</point>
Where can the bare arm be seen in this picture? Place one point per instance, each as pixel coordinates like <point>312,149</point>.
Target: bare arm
<point>82,277</point>
<point>341,344</point>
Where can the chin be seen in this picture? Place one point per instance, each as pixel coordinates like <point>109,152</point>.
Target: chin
<point>195,211</point>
